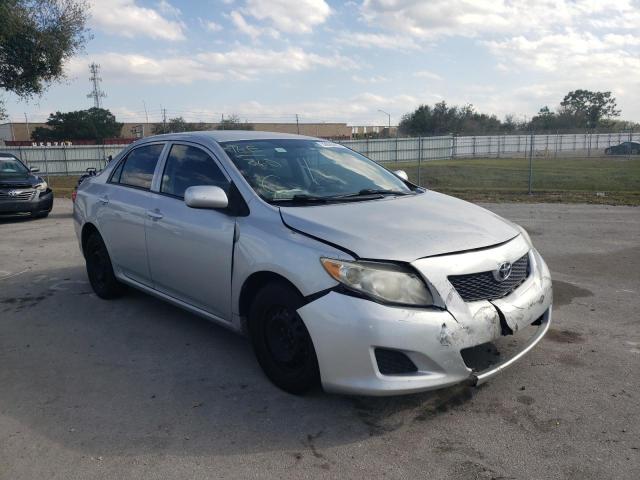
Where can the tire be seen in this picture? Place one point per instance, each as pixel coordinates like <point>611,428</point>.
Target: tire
<point>281,341</point>
<point>100,270</point>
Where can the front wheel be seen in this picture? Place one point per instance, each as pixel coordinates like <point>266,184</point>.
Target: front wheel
<point>280,339</point>
<point>99,269</point>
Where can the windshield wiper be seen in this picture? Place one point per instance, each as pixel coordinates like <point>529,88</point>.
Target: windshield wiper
<point>372,191</point>
<point>366,193</point>
<point>301,198</point>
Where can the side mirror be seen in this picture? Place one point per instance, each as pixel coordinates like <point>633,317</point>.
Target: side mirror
<point>34,169</point>
<point>206,197</point>
<point>402,174</point>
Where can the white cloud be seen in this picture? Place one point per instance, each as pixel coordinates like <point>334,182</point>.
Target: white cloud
<point>374,79</point>
<point>571,60</point>
<point>427,74</point>
<point>246,62</point>
<point>287,16</point>
<point>552,45</point>
<point>167,9</point>
<point>470,18</point>
<point>125,18</point>
<point>252,31</point>
<point>377,40</point>
<point>240,63</point>
<point>211,25</point>
<point>574,55</point>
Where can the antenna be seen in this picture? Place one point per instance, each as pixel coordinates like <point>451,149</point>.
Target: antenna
<point>96,93</point>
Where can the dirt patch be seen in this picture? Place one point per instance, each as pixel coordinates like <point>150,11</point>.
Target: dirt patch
<point>525,399</point>
<point>564,336</point>
<point>565,292</point>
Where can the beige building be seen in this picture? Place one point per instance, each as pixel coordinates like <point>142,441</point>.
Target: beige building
<point>373,130</point>
<point>22,131</point>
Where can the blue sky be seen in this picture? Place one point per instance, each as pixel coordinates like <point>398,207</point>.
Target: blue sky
<point>267,60</point>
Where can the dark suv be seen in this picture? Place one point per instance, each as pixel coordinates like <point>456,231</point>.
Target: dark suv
<point>21,191</point>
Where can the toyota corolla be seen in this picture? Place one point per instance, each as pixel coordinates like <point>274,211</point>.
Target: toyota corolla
<point>341,272</point>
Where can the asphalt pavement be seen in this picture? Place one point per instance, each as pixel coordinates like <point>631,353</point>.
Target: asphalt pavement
<point>135,388</point>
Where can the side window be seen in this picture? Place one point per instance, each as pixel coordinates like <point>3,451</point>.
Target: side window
<point>137,169</point>
<point>187,167</point>
<point>115,176</point>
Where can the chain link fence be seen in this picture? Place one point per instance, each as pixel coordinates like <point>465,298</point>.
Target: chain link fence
<point>592,163</point>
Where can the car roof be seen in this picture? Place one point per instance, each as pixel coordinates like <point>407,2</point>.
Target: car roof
<point>7,155</point>
<point>228,136</point>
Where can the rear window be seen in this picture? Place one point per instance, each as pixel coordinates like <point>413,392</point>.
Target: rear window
<point>137,169</point>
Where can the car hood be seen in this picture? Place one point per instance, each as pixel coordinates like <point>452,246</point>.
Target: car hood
<point>18,181</point>
<point>402,228</point>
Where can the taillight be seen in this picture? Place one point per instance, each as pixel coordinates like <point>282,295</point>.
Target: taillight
<point>74,194</point>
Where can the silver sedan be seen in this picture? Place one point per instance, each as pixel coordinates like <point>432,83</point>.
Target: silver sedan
<point>341,273</point>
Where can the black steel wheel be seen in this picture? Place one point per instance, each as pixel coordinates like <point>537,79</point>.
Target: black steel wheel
<point>99,268</point>
<point>280,339</point>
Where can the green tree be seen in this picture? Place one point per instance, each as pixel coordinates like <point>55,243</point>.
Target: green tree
<point>442,119</point>
<point>233,123</point>
<point>92,124</point>
<point>177,125</point>
<point>590,109</point>
<point>36,37</point>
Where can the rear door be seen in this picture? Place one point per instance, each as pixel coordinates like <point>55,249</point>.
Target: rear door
<point>190,250</point>
<point>123,206</point>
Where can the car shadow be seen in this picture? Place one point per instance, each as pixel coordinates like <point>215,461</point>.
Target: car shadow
<point>136,375</point>
<point>16,218</point>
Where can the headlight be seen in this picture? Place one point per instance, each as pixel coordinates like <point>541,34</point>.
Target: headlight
<point>383,281</point>
<point>42,186</point>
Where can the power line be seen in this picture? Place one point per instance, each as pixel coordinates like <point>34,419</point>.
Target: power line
<point>96,93</point>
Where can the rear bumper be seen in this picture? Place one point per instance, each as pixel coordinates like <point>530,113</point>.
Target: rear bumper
<point>346,331</point>
<point>42,203</point>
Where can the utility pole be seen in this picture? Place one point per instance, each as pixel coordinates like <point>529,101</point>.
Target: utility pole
<point>146,116</point>
<point>532,139</point>
<point>96,93</point>
<point>222,121</point>
<point>389,117</point>
<point>297,124</point>
<point>164,119</point>
<point>26,121</point>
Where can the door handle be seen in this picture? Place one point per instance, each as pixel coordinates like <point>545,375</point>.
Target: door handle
<point>103,200</point>
<point>154,215</point>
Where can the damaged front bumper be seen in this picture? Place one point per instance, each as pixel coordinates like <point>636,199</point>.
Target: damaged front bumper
<point>347,331</point>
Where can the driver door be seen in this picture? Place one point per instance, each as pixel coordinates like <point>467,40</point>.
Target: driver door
<point>190,250</point>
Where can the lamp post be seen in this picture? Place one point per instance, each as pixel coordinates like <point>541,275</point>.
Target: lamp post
<point>389,116</point>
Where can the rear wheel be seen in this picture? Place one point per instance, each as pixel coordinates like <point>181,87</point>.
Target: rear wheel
<point>99,268</point>
<point>280,339</point>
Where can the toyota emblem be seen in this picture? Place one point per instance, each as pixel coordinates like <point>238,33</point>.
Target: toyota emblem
<point>503,272</point>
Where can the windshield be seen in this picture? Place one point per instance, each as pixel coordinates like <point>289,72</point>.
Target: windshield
<point>12,166</point>
<point>289,170</point>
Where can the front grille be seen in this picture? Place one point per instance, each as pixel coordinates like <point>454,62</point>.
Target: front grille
<point>393,362</point>
<point>483,286</point>
<point>18,195</point>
